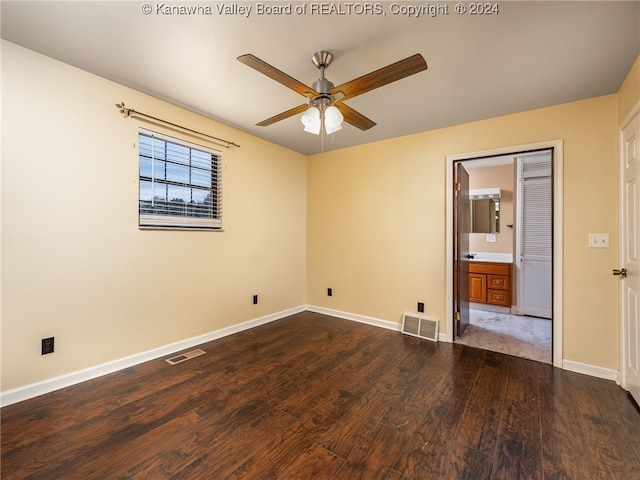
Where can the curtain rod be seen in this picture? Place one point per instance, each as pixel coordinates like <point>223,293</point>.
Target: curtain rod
<point>130,112</point>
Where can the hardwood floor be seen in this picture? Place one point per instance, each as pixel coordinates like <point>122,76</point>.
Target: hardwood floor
<point>316,397</point>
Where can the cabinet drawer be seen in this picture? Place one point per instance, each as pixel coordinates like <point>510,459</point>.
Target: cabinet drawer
<point>490,268</point>
<point>498,297</point>
<point>499,282</point>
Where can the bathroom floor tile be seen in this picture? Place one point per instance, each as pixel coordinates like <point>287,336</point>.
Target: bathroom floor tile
<point>521,336</point>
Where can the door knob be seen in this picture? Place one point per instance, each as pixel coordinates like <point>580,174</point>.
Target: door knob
<point>622,272</point>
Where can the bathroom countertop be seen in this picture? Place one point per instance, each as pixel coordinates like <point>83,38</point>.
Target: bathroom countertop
<point>492,257</point>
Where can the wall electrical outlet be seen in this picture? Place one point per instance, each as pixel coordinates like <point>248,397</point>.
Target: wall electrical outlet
<point>255,299</point>
<point>47,345</point>
<point>420,307</point>
<point>599,240</point>
<point>491,238</point>
<point>329,292</point>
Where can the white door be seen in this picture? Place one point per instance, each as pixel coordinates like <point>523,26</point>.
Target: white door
<point>630,248</point>
<point>534,227</point>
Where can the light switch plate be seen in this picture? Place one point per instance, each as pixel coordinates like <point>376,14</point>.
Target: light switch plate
<point>599,240</point>
<point>491,238</point>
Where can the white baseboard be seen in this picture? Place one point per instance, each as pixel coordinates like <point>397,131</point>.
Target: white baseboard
<point>592,370</point>
<point>376,322</point>
<point>51,384</point>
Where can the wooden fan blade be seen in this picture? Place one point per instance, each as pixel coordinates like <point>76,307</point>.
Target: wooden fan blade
<point>283,115</point>
<point>354,117</point>
<point>380,77</point>
<point>277,75</point>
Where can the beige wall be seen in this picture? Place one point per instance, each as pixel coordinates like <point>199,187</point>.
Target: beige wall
<point>501,177</point>
<point>74,263</point>
<point>376,220</point>
<point>629,94</point>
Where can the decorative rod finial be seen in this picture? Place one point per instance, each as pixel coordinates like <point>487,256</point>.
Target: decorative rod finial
<point>124,110</point>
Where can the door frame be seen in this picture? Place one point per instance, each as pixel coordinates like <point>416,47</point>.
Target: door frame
<point>622,321</point>
<point>557,146</point>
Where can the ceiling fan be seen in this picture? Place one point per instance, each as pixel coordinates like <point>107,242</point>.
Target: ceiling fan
<point>326,99</point>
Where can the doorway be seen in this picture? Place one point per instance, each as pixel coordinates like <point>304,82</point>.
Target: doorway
<point>499,309</point>
<point>510,254</point>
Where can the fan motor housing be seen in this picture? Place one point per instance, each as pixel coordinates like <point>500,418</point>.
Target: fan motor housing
<point>322,86</point>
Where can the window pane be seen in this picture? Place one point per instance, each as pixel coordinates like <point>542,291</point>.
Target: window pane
<point>177,153</point>
<point>178,173</point>
<point>145,166</point>
<point>202,178</point>
<point>151,147</point>
<point>201,160</point>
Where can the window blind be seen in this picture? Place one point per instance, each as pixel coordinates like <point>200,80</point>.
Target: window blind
<point>180,184</point>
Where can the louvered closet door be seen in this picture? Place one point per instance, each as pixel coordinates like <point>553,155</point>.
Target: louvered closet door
<point>535,268</point>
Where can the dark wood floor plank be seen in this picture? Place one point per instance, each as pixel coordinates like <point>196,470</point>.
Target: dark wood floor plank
<point>102,435</point>
<point>374,456</point>
<point>313,396</point>
<point>520,450</point>
<point>343,436</point>
<point>317,464</point>
<point>559,427</point>
<point>588,437</point>
<point>467,463</point>
<point>429,448</point>
<point>393,475</point>
<point>290,346</point>
<point>630,413</point>
<point>379,358</point>
<point>419,396</point>
<point>177,434</point>
<point>228,451</point>
<point>65,411</point>
<point>480,422</point>
<point>284,451</point>
<point>328,372</point>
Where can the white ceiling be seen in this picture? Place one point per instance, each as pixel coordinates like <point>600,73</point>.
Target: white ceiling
<point>530,55</point>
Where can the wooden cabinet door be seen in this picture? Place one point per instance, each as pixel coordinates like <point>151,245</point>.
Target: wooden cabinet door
<point>477,288</point>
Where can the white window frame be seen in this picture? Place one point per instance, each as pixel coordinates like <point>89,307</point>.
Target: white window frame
<point>183,220</point>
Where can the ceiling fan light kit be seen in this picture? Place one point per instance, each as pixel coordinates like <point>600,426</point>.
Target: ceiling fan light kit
<point>311,120</point>
<point>325,101</point>
<point>332,119</point>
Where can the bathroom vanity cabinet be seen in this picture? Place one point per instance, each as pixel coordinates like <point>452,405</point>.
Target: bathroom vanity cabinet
<point>490,282</point>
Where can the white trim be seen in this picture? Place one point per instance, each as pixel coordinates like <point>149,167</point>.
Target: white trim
<point>49,385</point>
<point>558,276</point>
<point>592,370</point>
<point>376,322</point>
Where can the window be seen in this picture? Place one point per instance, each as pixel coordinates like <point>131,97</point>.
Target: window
<point>180,184</point>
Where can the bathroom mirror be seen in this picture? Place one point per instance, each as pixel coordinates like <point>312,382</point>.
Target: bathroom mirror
<point>485,215</point>
<point>485,210</point>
